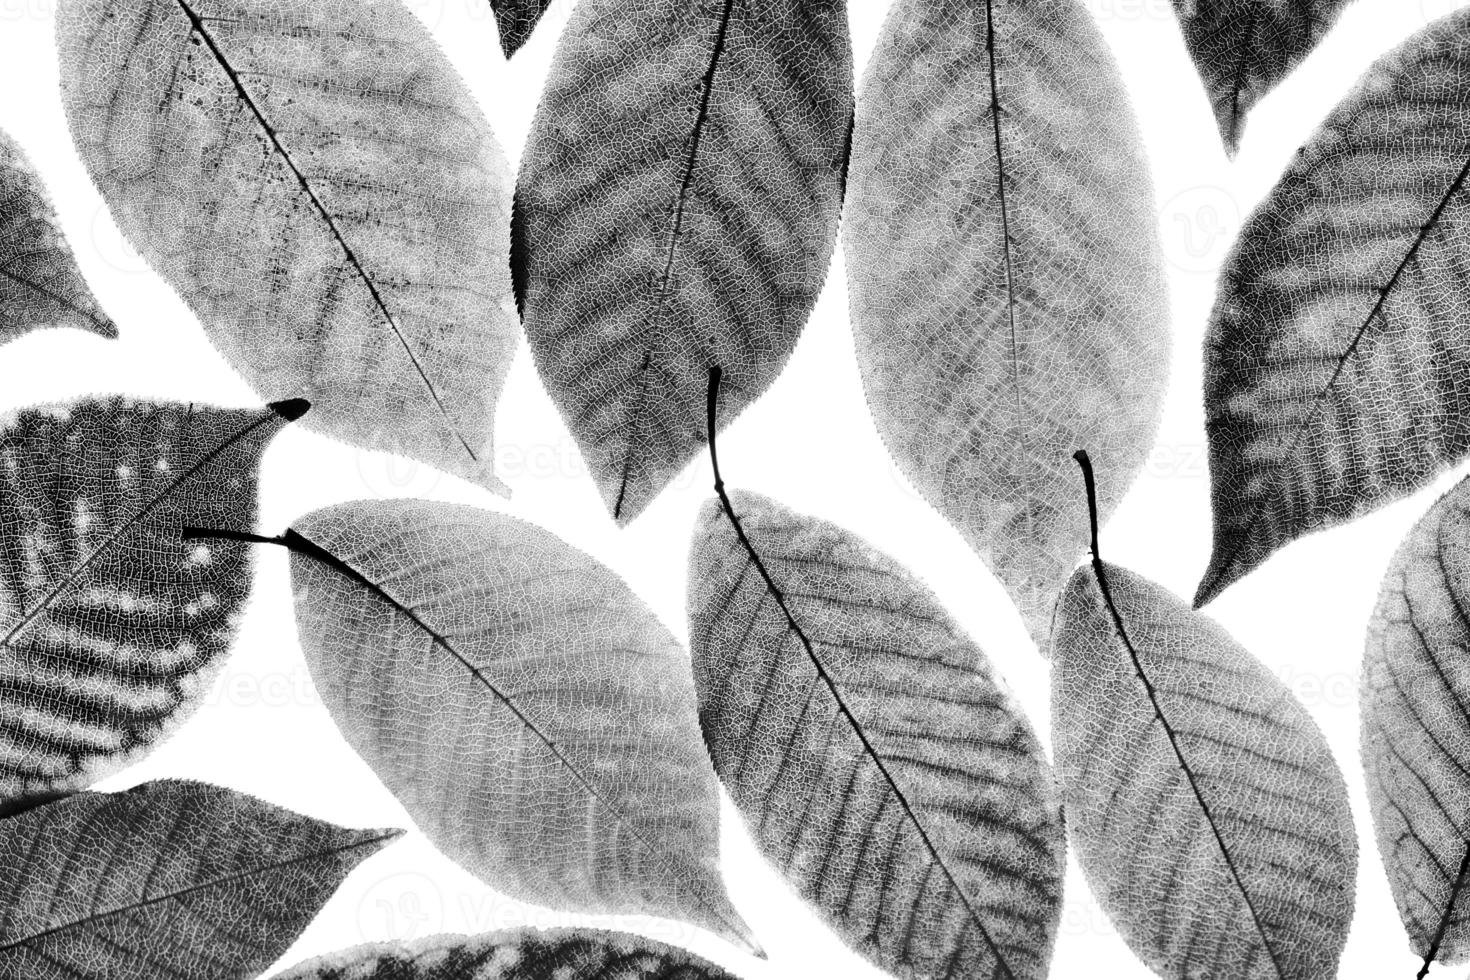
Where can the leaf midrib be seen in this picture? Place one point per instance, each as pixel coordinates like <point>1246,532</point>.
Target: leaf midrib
<point>868,748</point>
<point>676,225</point>
<point>196,23</point>
<point>1006,247</point>
<point>1158,709</point>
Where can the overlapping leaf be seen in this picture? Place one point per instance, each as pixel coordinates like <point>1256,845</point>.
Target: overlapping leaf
<point>515,954</point>
<point>1203,802</point>
<point>533,715</point>
<point>40,284</point>
<point>1244,48</point>
<point>676,208</point>
<point>320,187</point>
<point>1416,729</point>
<point>1337,366</point>
<point>877,761</point>
<point>1006,285</point>
<point>170,879</point>
<point>517,19</point>
<point>111,625</point>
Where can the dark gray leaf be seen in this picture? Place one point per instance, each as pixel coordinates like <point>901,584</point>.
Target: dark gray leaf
<point>1006,283</point>
<point>1244,48</point>
<point>1337,373</point>
<point>1416,729</point>
<point>111,625</point>
<point>40,284</point>
<point>515,954</point>
<point>877,761</point>
<point>320,187</point>
<point>516,20</point>
<point>170,879</point>
<point>1203,802</point>
<point>676,209</point>
<point>531,713</point>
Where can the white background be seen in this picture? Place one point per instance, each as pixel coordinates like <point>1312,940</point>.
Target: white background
<point>808,442</point>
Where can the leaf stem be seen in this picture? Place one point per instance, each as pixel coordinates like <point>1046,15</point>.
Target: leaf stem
<point>300,545</point>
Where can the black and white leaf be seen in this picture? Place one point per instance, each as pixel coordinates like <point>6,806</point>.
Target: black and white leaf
<point>169,879</point>
<point>677,208</point>
<point>1416,729</point>
<point>40,284</point>
<point>516,20</point>
<point>531,713</point>
<point>1337,374</point>
<point>879,763</point>
<point>321,188</point>
<point>111,625</point>
<point>1203,803</point>
<point>1006,282</point>
<point>1244,48</point>
<point>514,954</point>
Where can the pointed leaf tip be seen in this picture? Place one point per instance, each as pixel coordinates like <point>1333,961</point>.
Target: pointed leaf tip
<point>291,409</point>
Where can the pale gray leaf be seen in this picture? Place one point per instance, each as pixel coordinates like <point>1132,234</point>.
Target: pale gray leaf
<point>531,713</point>
<point>111,625</point>
<point>676,209</point>
<point>170,879</point>
<point>1337,375</point>
<point>1006,283</point>
<point>40,284</point>
<point>516,20</point>
<point>1244,48</point>
<point>514,954</point>
<point>1205,807</point>
<point>1416,729</point>
<point>321,188</point>
<point>878,762</point>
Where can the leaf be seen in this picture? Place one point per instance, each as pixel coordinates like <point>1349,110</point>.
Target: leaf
<point>677,208</point>
<point>40,284</point>
<point>530,712</point>
<point>517,19</point>
<point>1244,48</point>
<point>1006,284</point>
<point>169,879</point>
<point>320,187</point>
<point>1416,731</point>
<point>1336,368</point>
<point>514,954</point>
<point>1204,804</point>
<point>111,626</point>
<point>877,761</point>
